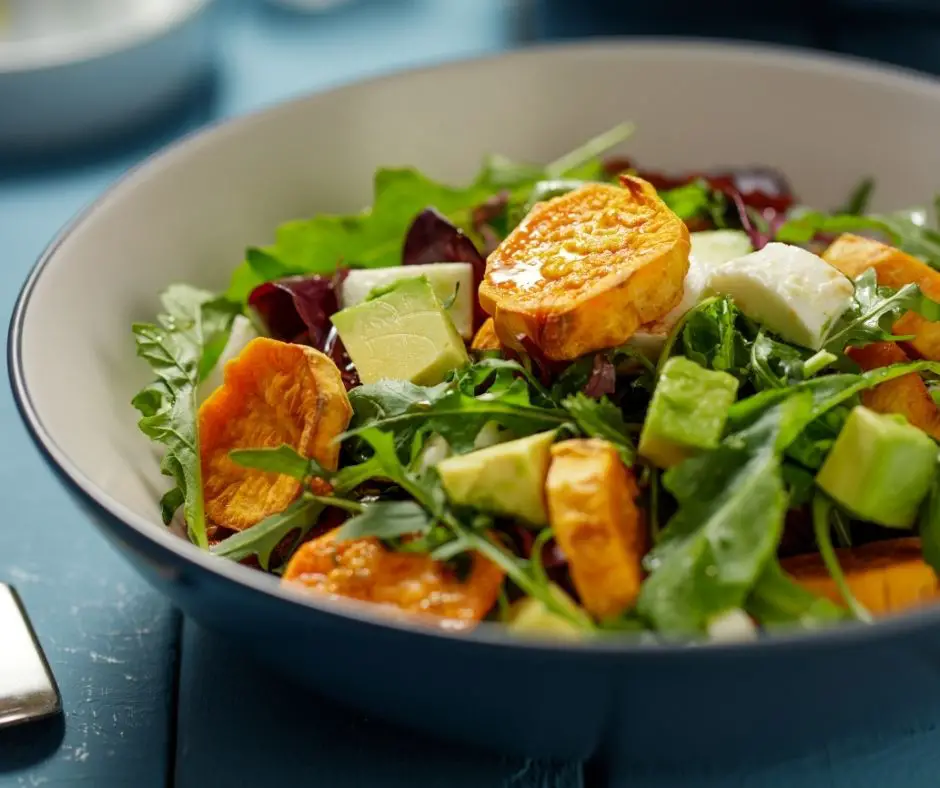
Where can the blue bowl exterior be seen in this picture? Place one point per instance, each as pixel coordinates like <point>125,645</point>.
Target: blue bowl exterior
<point>692,705</point>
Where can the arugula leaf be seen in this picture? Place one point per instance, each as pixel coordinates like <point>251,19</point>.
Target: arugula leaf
<point>859,199</point>
<point>775,364</point>
<point>182,347</point>
<point>375,402</point>
<point>386,520</point>
<point>261,539</point>
<point>453,411</point>
<point>777,600</point>
<point>874,309</point>
<point>283,459</point>
<point>712,337</point>
<point>822,513</point>
<point>731,510</point>
<point>600,418</point>
<point>584,161</point>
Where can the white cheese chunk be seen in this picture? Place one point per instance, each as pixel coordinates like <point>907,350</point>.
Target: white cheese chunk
<point>710,250</point>
<point>445,279</point>
<point>787,289</point>
<point>242,333</point>
<point>732,626</point>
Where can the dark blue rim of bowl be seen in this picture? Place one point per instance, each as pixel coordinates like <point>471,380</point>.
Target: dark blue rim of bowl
<point>487,634</point>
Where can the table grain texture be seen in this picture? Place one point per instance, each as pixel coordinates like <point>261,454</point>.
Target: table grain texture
<point>152,701</point>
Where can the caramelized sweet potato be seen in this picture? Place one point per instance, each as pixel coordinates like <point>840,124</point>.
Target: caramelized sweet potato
<point>363,569</point>
<point>885,577</point>
<point>853,255</point>
<point>583,271</point>
<point>906,395</point>
<point>592,510</point>
<point>486,338</point>
<point>273,393</point>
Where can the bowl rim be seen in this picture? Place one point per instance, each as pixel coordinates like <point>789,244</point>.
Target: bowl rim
<point>68,49</point>
<point>487,634</point>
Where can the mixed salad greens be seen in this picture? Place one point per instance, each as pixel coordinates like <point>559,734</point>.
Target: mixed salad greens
<point>577,398</point>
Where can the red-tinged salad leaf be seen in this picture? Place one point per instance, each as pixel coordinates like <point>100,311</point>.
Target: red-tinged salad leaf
<point>432,238</point>
<point>298,309</point>
<point>603,379</point>
<point>755,199</point>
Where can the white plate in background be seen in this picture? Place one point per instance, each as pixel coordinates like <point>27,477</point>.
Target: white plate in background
<point>72,70</point>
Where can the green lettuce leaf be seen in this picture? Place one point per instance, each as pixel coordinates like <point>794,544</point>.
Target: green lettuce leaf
<point>181,348</point>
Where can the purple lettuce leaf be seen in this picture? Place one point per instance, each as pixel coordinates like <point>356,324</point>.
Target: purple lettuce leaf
<point>432,238</point>
<point>298,309</point>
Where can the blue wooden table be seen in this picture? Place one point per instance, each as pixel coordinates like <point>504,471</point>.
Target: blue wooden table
<point>153,701</point>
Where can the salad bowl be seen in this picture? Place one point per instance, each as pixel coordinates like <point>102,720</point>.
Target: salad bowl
<point>188,214</point>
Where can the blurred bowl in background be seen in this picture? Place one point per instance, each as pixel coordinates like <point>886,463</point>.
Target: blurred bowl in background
<point>75,70</point>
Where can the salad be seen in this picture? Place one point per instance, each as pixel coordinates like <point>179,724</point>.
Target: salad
<point>578,399</point>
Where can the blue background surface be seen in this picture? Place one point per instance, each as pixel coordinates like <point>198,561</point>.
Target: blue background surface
<point>153,701</point>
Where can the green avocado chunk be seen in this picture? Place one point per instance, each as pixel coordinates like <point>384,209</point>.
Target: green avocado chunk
<point>879,468</point>
<point>531,616</point>
<point>506,479</point>
<point>404,333</point>
<point>687,413</point>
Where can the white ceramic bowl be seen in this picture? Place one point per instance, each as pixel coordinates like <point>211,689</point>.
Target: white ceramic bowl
<point>188,214</point>
<point>72,70</point>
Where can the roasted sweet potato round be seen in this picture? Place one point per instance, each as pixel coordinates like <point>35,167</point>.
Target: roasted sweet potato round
<point>583,271</point>
<point>592,509</point>
<point>485,338</point>
<point>363,569</point>
<point>273,393</point>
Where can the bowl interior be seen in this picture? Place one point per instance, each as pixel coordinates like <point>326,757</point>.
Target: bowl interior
<point>188,214</point>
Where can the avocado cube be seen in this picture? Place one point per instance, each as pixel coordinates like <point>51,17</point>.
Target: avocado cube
<point>506,479</point>
<point>532,616</point>
<point>688,412</point>
<point>879,468</point>
<point>402,334</point>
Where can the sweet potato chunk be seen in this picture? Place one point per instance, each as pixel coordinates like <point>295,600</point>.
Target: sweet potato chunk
<point>906,395</point>
<point>885,577</point>
<point>583,271</point>
<point>486,338</point>
<point>853,255</point>
<point>363,569</point>
<point>592,510</point>
<point>273,393</point>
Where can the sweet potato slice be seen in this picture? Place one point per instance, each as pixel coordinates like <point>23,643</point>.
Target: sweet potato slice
<point>583,271</point>
<point>273,393</point>
<point>906,395</point>
<point>592,510</point>
<point>486,338</point>
<point>885,577</point>
<point>363,569</point>
<point>853,255</point>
